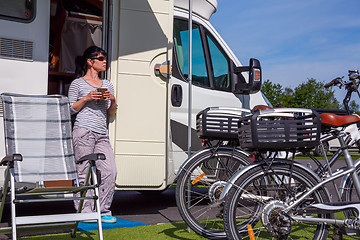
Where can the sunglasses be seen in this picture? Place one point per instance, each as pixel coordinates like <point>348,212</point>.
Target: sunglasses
<point>98,58</point>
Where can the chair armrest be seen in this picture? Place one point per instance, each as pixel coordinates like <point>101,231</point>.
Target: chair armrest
<point>92,157</point>
<point>11,158</point>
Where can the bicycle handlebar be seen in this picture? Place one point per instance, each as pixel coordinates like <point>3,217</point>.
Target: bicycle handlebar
<point>333,82</point>
<point>353,75</point>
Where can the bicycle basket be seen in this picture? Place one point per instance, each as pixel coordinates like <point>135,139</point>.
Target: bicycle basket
<point>289,129</point>
<point>219,123</point>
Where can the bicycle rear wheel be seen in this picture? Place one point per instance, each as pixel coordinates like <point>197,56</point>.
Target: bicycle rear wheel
<point>259,197</point>
<point>199,186</point>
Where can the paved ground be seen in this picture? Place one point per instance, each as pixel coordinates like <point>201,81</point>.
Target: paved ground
<point>146,207</point>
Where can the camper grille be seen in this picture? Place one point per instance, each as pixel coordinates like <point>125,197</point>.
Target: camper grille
<point>18,49</point>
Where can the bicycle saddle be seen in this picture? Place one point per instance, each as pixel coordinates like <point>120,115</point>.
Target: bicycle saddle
<point>334,120</point>
<point>260,107</point>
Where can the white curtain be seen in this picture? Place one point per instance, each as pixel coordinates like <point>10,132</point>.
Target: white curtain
<point>77,35</point>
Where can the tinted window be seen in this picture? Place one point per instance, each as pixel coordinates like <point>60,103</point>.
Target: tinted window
<point>17,10</point>
<point>220,66</point>
<point>181,40</point>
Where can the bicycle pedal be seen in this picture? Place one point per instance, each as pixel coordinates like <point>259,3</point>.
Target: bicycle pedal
<point>351,232</point>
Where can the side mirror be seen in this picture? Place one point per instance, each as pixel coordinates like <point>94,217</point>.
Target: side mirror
<point>240,86</point>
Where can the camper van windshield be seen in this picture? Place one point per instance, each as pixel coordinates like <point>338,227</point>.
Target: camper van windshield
<point>17,10</point>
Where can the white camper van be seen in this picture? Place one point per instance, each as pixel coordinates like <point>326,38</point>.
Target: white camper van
<point>40,39</point>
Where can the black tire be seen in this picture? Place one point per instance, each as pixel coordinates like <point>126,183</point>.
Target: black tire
<point>198,205</point>
<point>258,197</point>
<point>318,150</point>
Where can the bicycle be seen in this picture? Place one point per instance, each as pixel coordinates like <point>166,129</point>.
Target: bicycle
<point>281,198</point>
<point>351,87</point>
<point>204,174</point>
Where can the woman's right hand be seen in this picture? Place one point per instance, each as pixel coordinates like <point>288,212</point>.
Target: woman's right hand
<point>93,95</point>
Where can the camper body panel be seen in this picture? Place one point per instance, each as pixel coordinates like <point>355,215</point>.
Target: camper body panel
<point>24,53</point>
<point>24,59</point>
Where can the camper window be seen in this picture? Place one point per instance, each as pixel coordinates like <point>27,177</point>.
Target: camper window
<point>17,10</point>
<point>220,66</point>
<point>211,66</point>
<point>181,40</point>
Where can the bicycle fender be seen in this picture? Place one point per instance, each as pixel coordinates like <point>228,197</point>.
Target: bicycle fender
<point>237,175</point>
<point>209,149</point>
<point>346,177</point>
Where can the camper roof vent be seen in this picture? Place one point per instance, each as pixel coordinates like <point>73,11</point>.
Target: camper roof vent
<point>16,49</point>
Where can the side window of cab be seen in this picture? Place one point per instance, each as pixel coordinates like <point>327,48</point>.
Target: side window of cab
<point>210,65</point>
<point>181,42</point>
<point>219,65</point>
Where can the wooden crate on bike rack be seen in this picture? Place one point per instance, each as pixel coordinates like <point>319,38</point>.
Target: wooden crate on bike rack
<point>286,130</point>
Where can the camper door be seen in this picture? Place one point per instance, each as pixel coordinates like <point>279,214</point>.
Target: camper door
<point>142,87</point>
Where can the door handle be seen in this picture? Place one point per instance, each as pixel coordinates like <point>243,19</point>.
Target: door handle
<point>176,95</point>
<point>163,70</point>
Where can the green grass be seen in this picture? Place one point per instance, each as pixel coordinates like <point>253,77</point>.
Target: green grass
<point>354,155</point>
<point>161,231</point>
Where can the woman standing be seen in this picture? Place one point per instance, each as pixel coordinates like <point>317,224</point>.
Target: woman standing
<point>90,127</point>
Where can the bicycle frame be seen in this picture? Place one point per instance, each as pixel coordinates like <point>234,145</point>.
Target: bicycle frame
<point>245,169</point>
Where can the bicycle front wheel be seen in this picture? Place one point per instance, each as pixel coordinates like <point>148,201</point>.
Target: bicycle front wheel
<point>259,197</point>
<point>350,195</point>
<point>199,186</point>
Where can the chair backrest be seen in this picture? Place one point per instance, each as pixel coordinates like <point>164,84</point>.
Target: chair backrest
<point>39,128</point>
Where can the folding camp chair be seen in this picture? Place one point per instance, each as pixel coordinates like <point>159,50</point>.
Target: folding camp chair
<point>38,143</point>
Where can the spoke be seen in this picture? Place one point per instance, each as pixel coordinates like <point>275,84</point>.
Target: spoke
<point>245,214</point>
<point>256,198</point>
<point>199,200</point>
<point>258,231</point>
<point>205,211</point>
<point>197,193</point>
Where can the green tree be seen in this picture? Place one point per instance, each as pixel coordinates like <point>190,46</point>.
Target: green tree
<point>276,94</point>
<point>310,94</point>
<point>313,94</point>
<point>354,107</point>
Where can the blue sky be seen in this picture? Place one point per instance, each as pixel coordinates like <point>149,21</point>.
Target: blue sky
<point>294,40</point>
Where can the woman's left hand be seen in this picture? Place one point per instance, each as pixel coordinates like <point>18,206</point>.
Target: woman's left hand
<point>109,96</point>
<point>113,106</point>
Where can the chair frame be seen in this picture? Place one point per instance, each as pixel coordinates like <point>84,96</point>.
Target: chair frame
<point>50,221</point>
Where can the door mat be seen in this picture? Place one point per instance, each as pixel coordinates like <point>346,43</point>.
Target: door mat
<point>120,223</point>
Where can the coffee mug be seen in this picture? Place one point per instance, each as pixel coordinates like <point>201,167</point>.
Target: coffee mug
<point>102,90</point>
